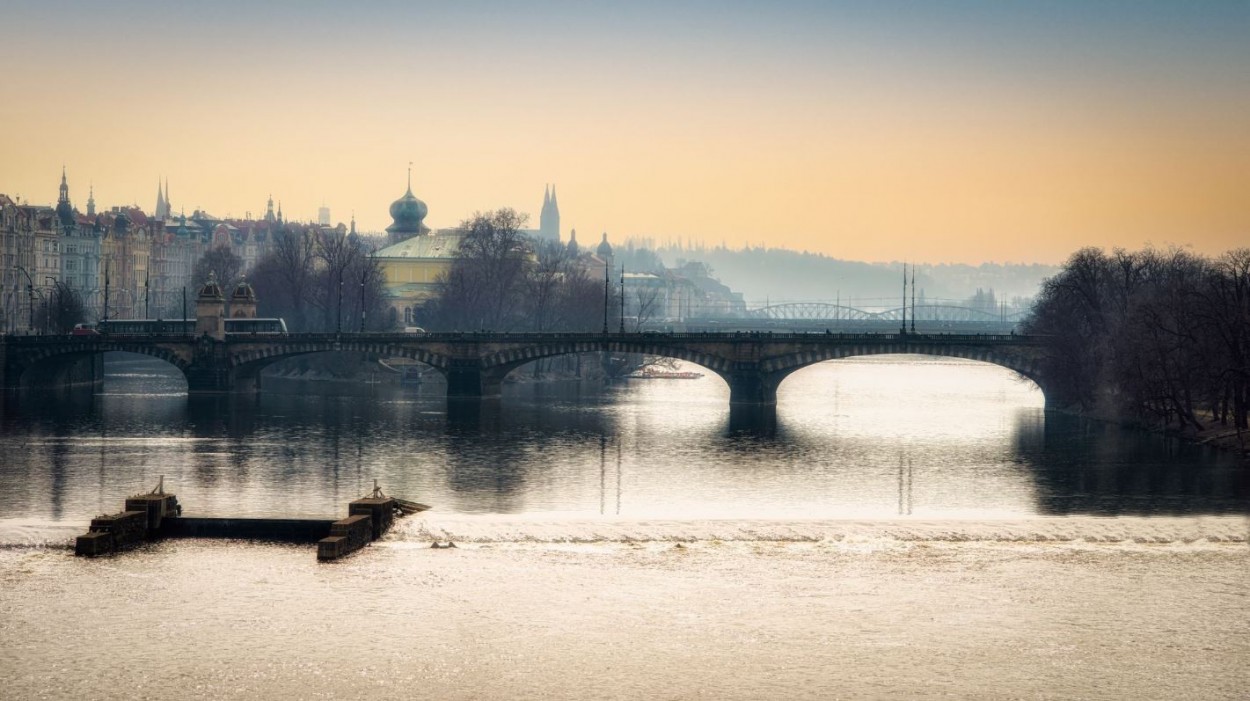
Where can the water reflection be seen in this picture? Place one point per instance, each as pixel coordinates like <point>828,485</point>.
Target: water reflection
<point>869,439</point>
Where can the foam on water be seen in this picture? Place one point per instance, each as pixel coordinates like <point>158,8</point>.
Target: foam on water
<point>30,533</point>
<point>498,529</point>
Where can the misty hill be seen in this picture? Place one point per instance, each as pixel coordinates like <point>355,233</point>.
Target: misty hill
<point>775,274</point>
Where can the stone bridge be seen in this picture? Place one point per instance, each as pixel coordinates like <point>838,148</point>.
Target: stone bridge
<point>475,364</point>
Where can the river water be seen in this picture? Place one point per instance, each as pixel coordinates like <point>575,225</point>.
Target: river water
<point>906,528</point>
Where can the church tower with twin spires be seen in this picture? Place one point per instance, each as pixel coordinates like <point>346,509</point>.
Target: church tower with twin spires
<point>549,217</point>
<point>162,201</point>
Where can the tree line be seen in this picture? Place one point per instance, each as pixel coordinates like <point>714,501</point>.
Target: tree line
<point>503,280</point>
<point>317,280</point>
<point>1160,336</point>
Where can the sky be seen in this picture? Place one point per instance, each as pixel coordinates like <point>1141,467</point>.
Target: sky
<point>925,131</point>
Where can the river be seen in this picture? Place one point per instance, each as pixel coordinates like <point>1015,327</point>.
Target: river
<point>907,528</point>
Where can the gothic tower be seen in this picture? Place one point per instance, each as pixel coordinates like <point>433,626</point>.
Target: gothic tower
<point>162,207</point>
<point>549,217</point>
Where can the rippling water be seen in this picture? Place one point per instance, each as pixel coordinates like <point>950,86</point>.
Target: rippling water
<point>906,528</point>
<point>853,439</point>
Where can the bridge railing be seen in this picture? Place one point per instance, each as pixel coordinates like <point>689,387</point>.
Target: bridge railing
<point>534,337</point>
<point>527,337</point>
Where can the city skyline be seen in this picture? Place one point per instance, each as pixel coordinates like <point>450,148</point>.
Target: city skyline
<point>969,132</point>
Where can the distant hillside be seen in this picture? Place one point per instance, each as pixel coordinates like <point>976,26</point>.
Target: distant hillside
<point>776,274</point>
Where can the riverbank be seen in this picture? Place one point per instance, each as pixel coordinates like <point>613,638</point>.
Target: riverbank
<point>1223,438</point>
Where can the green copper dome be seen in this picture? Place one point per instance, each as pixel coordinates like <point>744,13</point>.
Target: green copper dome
<point>408,213</point>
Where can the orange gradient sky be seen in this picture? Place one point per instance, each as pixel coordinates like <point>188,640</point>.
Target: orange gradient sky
<point>952,132</point>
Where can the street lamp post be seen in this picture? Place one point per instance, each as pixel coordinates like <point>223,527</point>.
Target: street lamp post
<point>622,298</point>
<point>106,291</point>
<point>47,305</point>
<point>339,313</point>
<point>363,277</point>
<point>30,296</point>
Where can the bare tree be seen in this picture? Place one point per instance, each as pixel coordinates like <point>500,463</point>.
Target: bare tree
<point>485,288</point>
<point>222,263</point>
<point>61,309</point>
<point>285,277</point>
<point>646,305</point>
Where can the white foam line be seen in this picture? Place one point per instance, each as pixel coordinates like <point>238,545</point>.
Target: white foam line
<point>1140,530</point>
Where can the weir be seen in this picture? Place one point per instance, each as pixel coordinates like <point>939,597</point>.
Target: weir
<point>157,515</point>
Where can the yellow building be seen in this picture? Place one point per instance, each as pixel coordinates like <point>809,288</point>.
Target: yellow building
<point>415,258</point>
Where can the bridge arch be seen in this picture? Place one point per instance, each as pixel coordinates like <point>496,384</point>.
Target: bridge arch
<point>248,361</point>
<point>497,366</point>
<point>61,362</point>
<point>508,360</point>
<point>777,369</point>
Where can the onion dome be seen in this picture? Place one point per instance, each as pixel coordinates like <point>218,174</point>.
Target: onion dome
<point>211,290</point>
<point>408,213</point>
<point>605,249</point>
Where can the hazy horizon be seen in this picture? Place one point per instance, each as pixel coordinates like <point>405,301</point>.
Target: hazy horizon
<point>968,132</point>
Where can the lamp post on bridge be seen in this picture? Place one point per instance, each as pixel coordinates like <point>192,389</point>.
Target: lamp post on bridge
<point>339,313</point>
<point>47,303</point>
<point>30,296</point>
<point>364,277</point>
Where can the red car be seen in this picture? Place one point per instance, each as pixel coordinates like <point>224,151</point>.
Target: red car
<point>84,330</point>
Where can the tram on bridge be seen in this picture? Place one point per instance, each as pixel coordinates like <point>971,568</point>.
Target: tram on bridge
<point>186,327</point>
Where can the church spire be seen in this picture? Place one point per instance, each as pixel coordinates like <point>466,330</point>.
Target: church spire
<point>64,210</point>
<point>91,200</point>
<point>549,217</point>
<point>160,201</point>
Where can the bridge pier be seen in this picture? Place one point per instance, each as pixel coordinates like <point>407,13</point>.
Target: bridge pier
<point>467,379</point>
<point>758,420</point>
<point>751,386</point>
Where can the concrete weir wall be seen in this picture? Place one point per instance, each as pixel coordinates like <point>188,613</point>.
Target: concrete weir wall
<point>282,530</point>
<point>157,515</point>
<point>368,519</point>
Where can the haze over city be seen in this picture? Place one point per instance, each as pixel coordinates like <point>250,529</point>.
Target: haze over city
<point>875,131</point>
